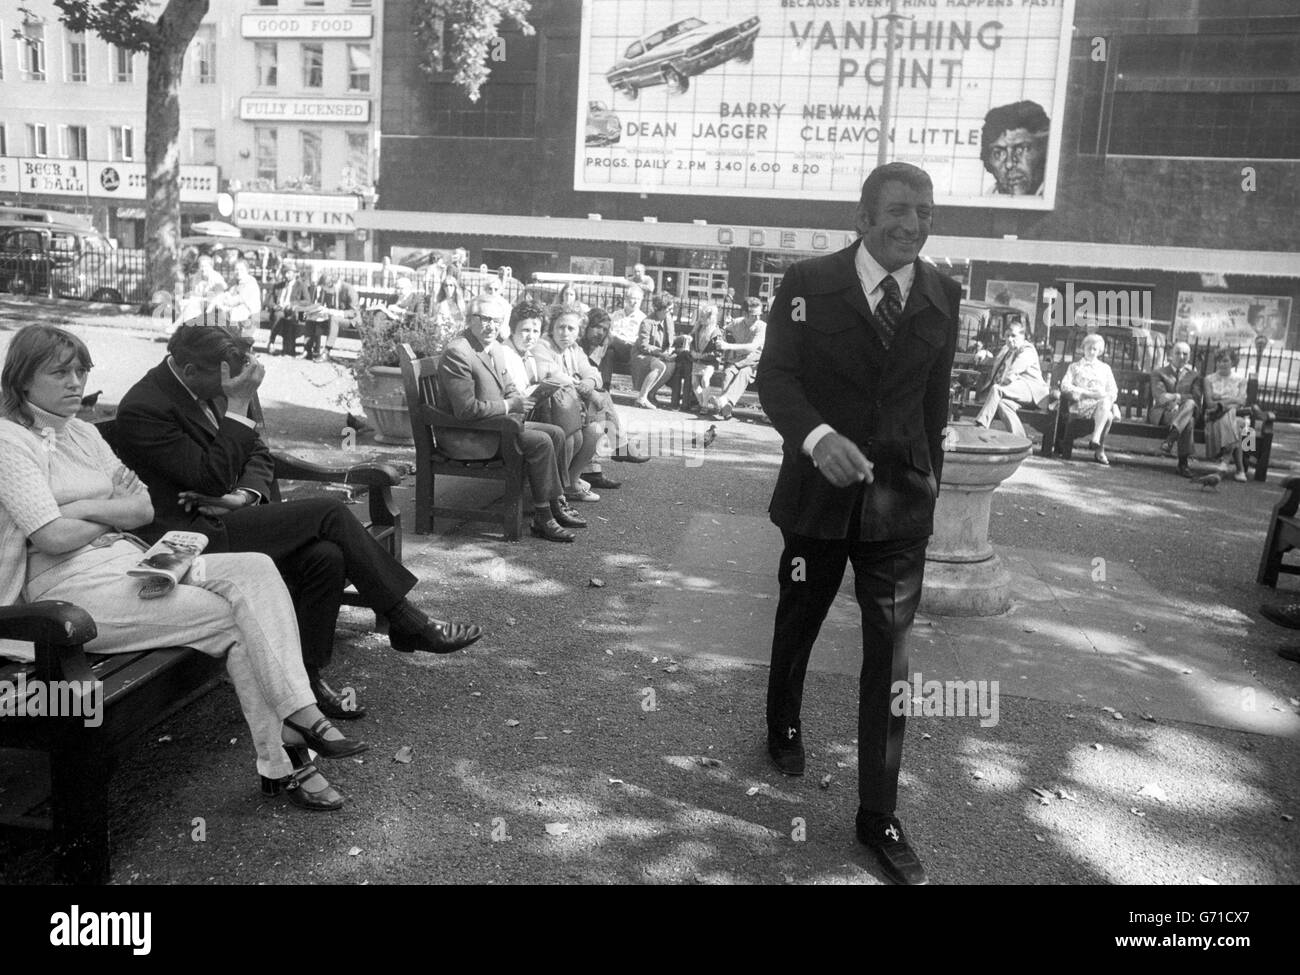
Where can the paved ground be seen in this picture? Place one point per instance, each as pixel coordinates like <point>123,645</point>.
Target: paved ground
<point>1146,732</point>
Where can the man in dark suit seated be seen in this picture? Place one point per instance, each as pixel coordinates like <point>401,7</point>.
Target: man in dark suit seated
<point>471,385</point>
<point>184,429</point>
<point>1176,393</point>
<point>1015,375</point>
<point>856,365</point>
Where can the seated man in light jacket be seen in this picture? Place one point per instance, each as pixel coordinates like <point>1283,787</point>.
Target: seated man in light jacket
<point>471,385</point>
<point>1016,375</point>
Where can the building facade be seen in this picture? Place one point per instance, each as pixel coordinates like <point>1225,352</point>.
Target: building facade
<point>278,127</point>
<point>1177,173</point>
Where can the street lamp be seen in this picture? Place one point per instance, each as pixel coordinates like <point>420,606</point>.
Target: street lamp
<point>886,102</point>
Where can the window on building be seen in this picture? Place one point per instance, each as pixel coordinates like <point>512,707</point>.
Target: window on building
<point>313,65</point>
<point>76,57</point>
<point>72,141</point>
<point>358,163</point>
<point>311,157</point>
<point>123,65</point>
<point>313,3</point>
<point>31,50</point>
<point>268,3</point>
<point>204,47</point>
<point>4,143</point>
<point>267,56</point>
<point>361,3</point>
<point>203,147</point>
<point>358,67</point>
<point>121,143</point>
<point>503,111</point>
<point>266,142</point>
<point>37,140</point>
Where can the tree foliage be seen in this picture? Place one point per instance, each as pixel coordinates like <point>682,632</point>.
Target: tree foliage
<point>467,31</point>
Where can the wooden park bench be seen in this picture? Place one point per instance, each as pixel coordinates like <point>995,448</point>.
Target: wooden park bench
<point>1059,429</point>
<point>420,376</point>
<point>1283,535</point>
<point>66,764</point>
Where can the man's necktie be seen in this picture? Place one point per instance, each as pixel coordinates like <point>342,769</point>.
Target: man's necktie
<point>889,311</point>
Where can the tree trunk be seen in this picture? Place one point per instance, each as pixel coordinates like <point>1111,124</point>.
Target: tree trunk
<point>176,28</point>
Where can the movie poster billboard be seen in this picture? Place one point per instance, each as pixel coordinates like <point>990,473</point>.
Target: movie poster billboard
<point>782,98</point>
<point>1212,316</point>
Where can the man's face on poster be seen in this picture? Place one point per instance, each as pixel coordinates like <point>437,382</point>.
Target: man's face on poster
<point>1016,161</point>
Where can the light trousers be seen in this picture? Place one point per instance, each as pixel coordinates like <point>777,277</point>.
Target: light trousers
<point>239,608</point>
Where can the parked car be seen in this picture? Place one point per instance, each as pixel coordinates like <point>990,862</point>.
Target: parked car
<point>681,50</point>
<point>603,125</point>
<point>66,261</point>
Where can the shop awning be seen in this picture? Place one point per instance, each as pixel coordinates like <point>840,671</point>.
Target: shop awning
<point>811,240</point>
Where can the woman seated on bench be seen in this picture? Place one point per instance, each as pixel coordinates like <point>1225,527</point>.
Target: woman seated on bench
<point>65,502</point>
<point>1093,391</point>
<point>1225,391</point>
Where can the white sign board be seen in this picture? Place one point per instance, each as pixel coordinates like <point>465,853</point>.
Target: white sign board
<point>297,211</point>
<point>1212,316</point>
<point>322,24</point>
<point>781,99</point>
<point>58,177</point>
<point>304,109</point>
<point>128,181</point>
<point>8,174</point>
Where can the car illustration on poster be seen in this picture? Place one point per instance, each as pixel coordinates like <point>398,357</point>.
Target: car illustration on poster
<point>603,125</point>
<point>673,55</point>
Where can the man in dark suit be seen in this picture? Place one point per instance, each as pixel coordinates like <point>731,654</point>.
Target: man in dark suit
<point>856,366</point>
<point>1176,394</point>
<point>185,431</point>
<point>471,385</point>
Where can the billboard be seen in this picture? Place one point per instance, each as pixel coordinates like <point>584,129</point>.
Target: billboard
<point>1212,316</point>
<point>782,99</point>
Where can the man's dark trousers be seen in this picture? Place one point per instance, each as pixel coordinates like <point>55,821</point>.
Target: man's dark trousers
<point>887,580</point>
<point>319,546</point>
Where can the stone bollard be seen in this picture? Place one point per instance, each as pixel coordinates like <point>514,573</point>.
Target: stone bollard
<point>963,575</point>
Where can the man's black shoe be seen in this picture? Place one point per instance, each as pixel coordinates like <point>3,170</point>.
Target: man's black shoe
<point>334,705</point>
<point>1289,653</point>
<point>566,517</point>
<point>599,480</point>
<point>1183,469</point>
<point>1288,616</point>
<point>785,745</point>
<point>434,637</point>
<point>884,834</point>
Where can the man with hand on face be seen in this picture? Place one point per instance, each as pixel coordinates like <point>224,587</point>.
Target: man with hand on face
<point>855,368</point>
<point>185,430</point>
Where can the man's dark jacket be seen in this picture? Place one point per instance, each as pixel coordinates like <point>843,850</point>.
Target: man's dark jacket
<point>162,434</point>
<point>824,362</point>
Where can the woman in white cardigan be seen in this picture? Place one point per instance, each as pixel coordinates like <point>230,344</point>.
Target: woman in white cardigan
<point>66,502</point>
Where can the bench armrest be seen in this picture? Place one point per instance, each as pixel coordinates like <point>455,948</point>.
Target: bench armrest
<point>52,622</point>
<point>290,468</point>
<point>58,630</point>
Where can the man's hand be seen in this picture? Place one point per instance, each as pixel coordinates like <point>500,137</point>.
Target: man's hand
<point>840,461</point>
<point>215,507</point>
<point>239,389</point>
<point>517,404</point>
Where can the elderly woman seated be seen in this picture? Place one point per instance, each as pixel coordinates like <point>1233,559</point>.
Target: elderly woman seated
<point>1225,393</point>
<point>66,506</point>
<point>1090,387</point>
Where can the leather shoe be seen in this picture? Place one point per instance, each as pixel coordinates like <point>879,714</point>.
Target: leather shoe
<point>1288,616</point>
<point>630,455</point>
<point>565,516</point>
<point>1184,470</point>
<point>599,480</point>
<point>436,636</point>
<point>334,705</point>
<point>884,834</point>
<point>548,529</point>
<point>322,800</point>
<point>314,737</point>
<point>1289,653</point>
<point>785,745</point>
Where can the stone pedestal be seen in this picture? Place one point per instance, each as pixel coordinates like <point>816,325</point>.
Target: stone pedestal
<point>963,575</point>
